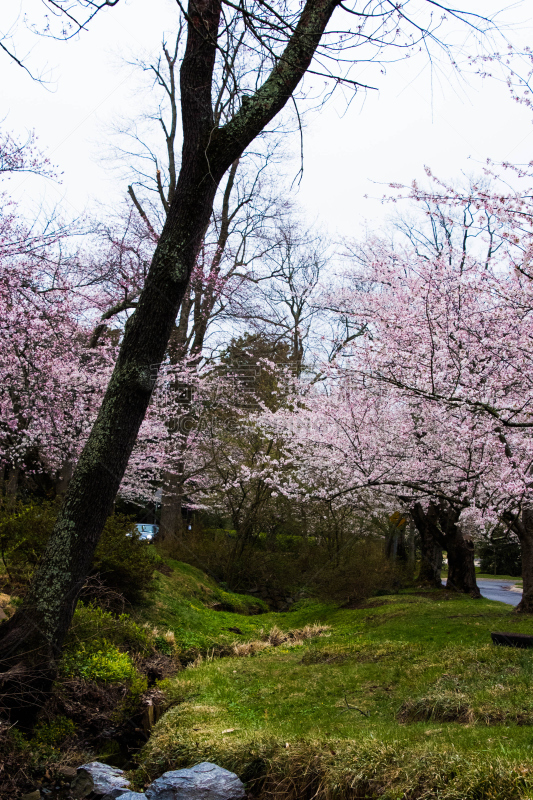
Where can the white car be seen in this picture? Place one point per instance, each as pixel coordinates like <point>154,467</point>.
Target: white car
<point>147,531</point>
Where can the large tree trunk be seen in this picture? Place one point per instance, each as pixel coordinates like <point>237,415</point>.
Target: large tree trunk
<point>30,642</point>
<point>11,485</point>
<point>40,625</point>
<point>460,549</point>
<point>461,568</point>
<point>440,530</point>
<point>430,570</point>
<point>523,527</point>
<point>431,550</point>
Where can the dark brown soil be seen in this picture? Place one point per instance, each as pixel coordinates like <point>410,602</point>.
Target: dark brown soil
<point>164,569</point>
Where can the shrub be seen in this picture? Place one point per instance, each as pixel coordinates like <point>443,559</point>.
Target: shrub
<point>500,555</point>
<point>123,560</point>
<point>164,646</point>
<point>99,660</point>
<point>24,532</point>
<point>362,571</point>
<point>94,650</point>
<point>286,566</point>
<point>283,549</point>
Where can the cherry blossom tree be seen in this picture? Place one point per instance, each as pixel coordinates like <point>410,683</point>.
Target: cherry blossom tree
<point>48,394</point>
<point>432,404</point>
<point>470,349</point>
<point>23,156</point>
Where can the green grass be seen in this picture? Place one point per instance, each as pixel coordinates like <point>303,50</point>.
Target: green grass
<point>490,577</point>
<point>406,698</point>
<point>199,612</point>
<point>487,576</point>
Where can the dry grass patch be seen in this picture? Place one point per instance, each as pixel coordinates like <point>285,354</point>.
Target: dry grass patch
<point>441,707</point>
<point>6,608</point>
<point>276,637</point>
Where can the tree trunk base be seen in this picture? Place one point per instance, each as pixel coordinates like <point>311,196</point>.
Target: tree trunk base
<point>525,606</point>
<point>461,568</point>
<point>424,582</point>
<point>462,589</point>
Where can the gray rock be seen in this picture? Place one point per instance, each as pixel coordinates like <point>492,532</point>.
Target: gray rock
<point>132,796</point>
<point>101,779</point>
<point>203,782</point>
<point>117,792</point>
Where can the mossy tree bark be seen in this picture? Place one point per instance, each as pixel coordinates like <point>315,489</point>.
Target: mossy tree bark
<point>523,527</point>
<point>30,642</point>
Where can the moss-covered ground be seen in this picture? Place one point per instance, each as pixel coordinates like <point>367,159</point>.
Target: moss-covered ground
<point>405,697</point>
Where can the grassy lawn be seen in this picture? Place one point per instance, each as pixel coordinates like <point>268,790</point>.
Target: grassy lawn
<point>489,577</point>
<point>404,698</point>
<point>486,576</point>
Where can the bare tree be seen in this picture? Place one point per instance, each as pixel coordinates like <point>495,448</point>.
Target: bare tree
<point>281,297</point>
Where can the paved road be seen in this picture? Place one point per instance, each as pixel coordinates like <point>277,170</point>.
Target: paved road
<point>499,590</point>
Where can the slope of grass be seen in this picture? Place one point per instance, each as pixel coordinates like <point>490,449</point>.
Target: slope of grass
<point>404,698</point>
<point>199,612</point>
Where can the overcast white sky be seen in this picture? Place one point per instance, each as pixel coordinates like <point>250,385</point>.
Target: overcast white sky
<point>418,117</point>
